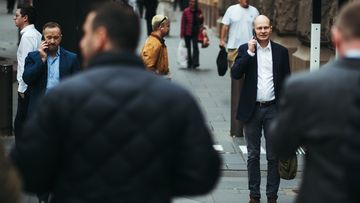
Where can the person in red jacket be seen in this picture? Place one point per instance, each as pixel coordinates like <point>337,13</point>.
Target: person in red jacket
<point>191,21</point>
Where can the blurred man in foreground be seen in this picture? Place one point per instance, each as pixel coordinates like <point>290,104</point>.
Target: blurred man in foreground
<point>117,133</point>
<point>316,110</point>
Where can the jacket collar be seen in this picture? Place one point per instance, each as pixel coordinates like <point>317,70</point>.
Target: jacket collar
<point>162,41</point>
<point>346,62</point>
<point>116,58</point>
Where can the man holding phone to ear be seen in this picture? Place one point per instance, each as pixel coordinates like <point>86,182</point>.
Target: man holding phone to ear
<point>46,67</point>
<point>264,65</point>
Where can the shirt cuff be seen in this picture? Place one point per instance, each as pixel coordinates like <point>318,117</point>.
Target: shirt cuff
<point>250,53</point>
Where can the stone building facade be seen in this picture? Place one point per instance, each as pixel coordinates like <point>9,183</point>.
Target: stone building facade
<point>291,20</point>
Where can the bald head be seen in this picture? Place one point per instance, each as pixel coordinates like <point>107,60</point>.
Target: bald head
<point>262,30</point>
<point>261,19</point>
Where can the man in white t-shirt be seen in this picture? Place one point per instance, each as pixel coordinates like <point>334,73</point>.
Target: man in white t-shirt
<point>237,28</point>
<point>24,19</point>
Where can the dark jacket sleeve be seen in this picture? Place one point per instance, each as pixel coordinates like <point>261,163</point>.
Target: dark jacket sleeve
<point>242,63</point>
<point>286,69</point>
<point>34,67</point>
<point>286,129</point>
<point>198,165</point>
<point>36,153</point>
<point>75,65</point>
<point>183,24</point>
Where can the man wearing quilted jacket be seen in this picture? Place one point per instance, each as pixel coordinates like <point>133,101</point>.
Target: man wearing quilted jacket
<point>116,132</point>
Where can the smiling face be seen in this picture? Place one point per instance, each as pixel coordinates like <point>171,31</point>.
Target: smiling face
<point>262,28</point>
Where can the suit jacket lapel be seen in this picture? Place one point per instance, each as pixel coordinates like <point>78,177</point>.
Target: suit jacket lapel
<point>256,66</point>
<point>62,64</point>
<point>275,59</point>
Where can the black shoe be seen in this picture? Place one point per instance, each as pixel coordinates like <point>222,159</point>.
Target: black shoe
<point>272,200</point>
<point>196,65</point>
<point>254,200</point>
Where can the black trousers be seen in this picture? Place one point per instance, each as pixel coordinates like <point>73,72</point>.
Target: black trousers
<point>183,4</point>
<point>149,14</point>
<point>10,5</point>
<point>193,58</point>
<point>141,8</point>
<point>21,114</point>
<point>176,2</point>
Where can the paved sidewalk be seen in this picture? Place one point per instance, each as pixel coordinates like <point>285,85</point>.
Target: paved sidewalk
<point>213,95</point>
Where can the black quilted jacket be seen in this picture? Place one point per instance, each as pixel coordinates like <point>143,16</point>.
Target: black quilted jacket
<point>117,133</point>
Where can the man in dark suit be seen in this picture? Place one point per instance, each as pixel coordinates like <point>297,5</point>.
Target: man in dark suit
<point>264,64</point>
<point>46,67</point>
<point>316,110</point>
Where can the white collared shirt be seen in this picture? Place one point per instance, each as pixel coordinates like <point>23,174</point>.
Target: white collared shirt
<point>53,78</point>
<point>353,53</point>
<point>265,83</point>
<point>30,41</point>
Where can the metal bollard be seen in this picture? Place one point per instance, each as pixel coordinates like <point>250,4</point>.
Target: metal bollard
<point>6,94</point>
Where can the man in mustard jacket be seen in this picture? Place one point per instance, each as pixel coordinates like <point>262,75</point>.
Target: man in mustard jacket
<point>154,53</point>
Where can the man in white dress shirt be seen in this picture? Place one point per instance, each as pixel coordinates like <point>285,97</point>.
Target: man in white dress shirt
<point>264,65</point>
<point>30,40</point>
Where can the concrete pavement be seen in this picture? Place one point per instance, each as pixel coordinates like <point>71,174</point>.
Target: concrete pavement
<point>213,95</point>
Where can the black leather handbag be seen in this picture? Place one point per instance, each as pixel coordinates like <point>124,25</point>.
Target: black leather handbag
<point>222,62</point>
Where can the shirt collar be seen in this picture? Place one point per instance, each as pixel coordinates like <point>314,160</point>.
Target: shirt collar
<point>57,53</point>
<point>162,40</point>
<point>268,46</point>
<point>353,53</point>
<point>28,27</point>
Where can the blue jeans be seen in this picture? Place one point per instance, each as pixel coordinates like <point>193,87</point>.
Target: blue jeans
<point>260,120</point>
